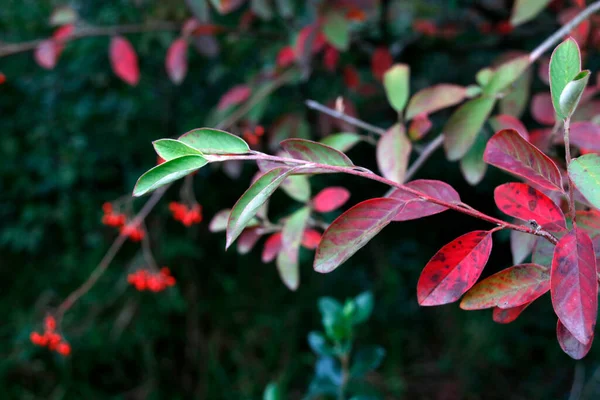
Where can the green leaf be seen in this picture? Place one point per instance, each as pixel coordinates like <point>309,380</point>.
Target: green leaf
<point>363,307</point>
<point>396,83</point>
<point>291,238</point>
<point>435,98</point>
<point>308,150</point>
<point>167,172</point>
<point>341,141</point>
<point>169,149</point>
<point>463,126</point>
<point>571,94</point>
<point>297,187</point>
<point>63,15</point>
<point>472,165</point>
<point>337,30</point>
<point>318,344</point>
<point>248,205</point>
<point>565,64</point>
<point>525,10</point>
<point>336,326</point>
<point>272,392</point>
<point>366,360</point>
<point>585,174</point>
<point>516,100</point>
<point>506,74</point>
<point>214,141</point>
<point>328,306</point>
<point>484,76</point>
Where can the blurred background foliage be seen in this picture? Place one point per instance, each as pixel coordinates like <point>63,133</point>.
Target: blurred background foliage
<point>77,136</point>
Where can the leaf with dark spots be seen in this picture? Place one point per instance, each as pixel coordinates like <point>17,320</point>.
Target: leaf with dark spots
<point>521,201</point>
<point>417,207</point>
<point>507,315</point>
<point>569,344</point>
<point>574,284</point>
<point>509,288</point>
<point>454,269</point>
<point>509,151</point>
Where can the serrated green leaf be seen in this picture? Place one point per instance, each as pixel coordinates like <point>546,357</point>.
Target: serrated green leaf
<point>396,83</point>
<point>525,10</point>
<point>585,174</point>
<point>168,149</point>
<point>571,94</point>
<point>291,238</point>
<point>565,64</point>
<point>506,74</point>
<point>248,205</point>
<point>366,360</point>
<point>167,172</point>
<point>464,125</point>
<point>214,141</point>
<point>341,141</point>
<point>337,30</point>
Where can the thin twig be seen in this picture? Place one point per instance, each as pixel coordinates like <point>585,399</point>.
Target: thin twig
<point>558,35</point>
<point>346,118</point>
<point>567,130</point>
<point>425,154</point>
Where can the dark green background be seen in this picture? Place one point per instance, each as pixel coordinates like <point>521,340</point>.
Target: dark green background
<point>75,137</point>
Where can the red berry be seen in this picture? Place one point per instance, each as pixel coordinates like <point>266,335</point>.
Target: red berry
<point>63,349</point>
<point>50,323</point>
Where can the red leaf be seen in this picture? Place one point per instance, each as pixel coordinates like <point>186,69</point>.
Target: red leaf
<point>574,286</point>
<point>569,344</point>
<point>352,230</point>
<point>504,121</point>
<point>46,54</point>
<point>419,127</point>
<point>508,315</point>
<point>272,247</point>
<point>312,34</point>
<point>227,6</point>
<point>331,58</point>
<point>509,151</point>
<point>176,62</point>
<point>351,78</point>
<point>381,61</point>
<point>540,138</point>
<point>521,201</point>
<point>581,32</point>
<point>454,269</point>
<point>330,199</point>
<point>2,78</point>
<point>123,60</point>
<point>435,98</point>
<point>248,239</point>
<point>234,96</point>
<point>285,57</point>
<point>311,239</point>
<point>542,109</point>
<point>509,288</point>
<point>585,135</point>
<point>416,207</point>
<point>393,153</point>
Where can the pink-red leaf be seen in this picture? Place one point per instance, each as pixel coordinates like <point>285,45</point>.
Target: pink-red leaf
<point>585,135</point>
<point>123,60</point>
<point>46,54</point>
<point>508,288</point>
<point>454,269</point>
<point>574,286</point>
<point>248,239</point>
<point>311,36</point>
<point>507,315</point>
<point>234,96</point>
<point>435,98</point>
<point>381,61</point>
<point>330,199</point>
<point>393,152</point>
<point>542,109</point>
<point>176,61</point>
<point>227,6</point>
<point>352,230</point>
<point>569,344</point>
<point>416,207</point>
<point>505,121</point>
<point>311,239</point>
<point>272,247</point>
<point>509,151</point>
<point>521,201</point>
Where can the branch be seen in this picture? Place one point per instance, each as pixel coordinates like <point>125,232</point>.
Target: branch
<point>425,154</point>
<point>346,118</point>
<point>558,35</point>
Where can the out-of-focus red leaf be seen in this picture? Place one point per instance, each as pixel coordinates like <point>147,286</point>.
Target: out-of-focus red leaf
<point>393,153</point>
<point>176,61</point>
<point>574,286</point>
<point>584,135</point>
<point>521,201</point>
<point>311,239</point>
<point>581,32</point>
<point>352,230</point>
<point>500,122</point>
<point>544,70</point>
<point>227,6</point>
<point>569,344</point>
<point>272,247</point>
<point>381,61</point>
<point>542,109</point>
<point>425,27</point>
<point>507,315</point>
<point>509,288</point>
<point>509,151</point>
<point>351,78</point>
<point>435,98</point>
<point>63,33</point>
<point>314,35</point>
<point>454,269</point>
<point>331,58</point>
<point>286,57</point>
<point>541,138</point>
<point>419,127</point>
<point>46,54</point>
<point>248,239</point>
<point>330,199</point>
<point>234,96</point>
<point>124,61</point>
<point>590,222</point>
<point>2,78</point>
<point>415,207</point>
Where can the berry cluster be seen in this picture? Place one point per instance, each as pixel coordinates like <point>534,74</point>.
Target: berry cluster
<point>185,214</point>
<point>110,218</point>
<point>253,137</point>
<point>134,232</point>
<point>144,279</point>
<point>50,338</point>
